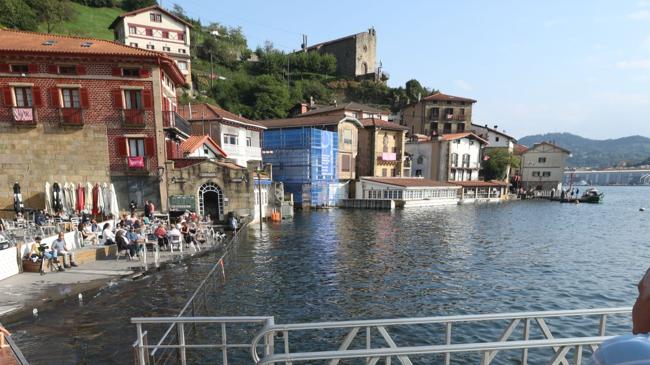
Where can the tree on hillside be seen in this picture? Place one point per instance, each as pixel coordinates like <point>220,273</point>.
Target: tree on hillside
<point>96,3</point>
<point>130,5</point>
<point>496,165</point>
<point>52,12</point>
<point>414,90</point>
<point>17,14</point>
<point>271,98</point>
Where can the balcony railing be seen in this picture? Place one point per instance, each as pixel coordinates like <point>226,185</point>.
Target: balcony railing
<point>171,119</point>
<point>72,117</point>
<point>390,157</point>
<point>134,118</point>
<point>456,117</point>
<point>137,164</point>
<point>24,116</point>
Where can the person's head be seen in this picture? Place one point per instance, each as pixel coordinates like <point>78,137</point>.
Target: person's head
<point>61,235</point>
<point>641,308</point>
<point>106,226</point>
<point>37,239</point>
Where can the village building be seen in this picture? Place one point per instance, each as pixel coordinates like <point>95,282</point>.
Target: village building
<point>156,29</point>
<point>239,137</point>
<point>407,192</point>
<point>381,149</point>
<point>315,157</point>
<point>496,140</point>
<point>351,109</point>
<point>438,114</point>
<point>356,55</point>
<point>542,167</point>
<point>83,110</point>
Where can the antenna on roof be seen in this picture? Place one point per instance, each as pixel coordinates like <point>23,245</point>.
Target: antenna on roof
<point>304,43</point>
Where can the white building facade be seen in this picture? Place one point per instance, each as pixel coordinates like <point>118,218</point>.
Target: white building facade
<point>407,192</point>
<point>451,157</point>
<point>156,29</point>
<point>542,166</point>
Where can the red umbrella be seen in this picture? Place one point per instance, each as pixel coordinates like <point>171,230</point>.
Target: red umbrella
<point>95,197</point>
<point>81,198</point>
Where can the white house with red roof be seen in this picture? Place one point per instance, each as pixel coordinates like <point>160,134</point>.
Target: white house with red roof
<point>156,29</point>
<point>201,147</point>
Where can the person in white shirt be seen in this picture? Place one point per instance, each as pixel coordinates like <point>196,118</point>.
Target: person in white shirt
<point>108,235</point>
<point>58,246</point>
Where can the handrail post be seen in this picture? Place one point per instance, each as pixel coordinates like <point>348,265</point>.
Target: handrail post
<point>269,339</point>
<point>181,342</point>
<point>141,348</point>
<point>524,353</point>
<point>448,342</point>
<point>224,342</point>
<point>603,325</point>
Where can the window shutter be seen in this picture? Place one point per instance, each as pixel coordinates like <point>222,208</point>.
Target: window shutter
<point>117,99</point>
<point>32,68</point>
<point>83,95</point>
<point>55,97</point>
<point>170,150</point>
<point>36,95</point>
<point>7,96</point>
<point>149,147</point>
<point>147,99</point>
<point>144,72</point>
<point>81,70</point>
<point>4,68</point>
<point>117,71</point>
<point>120,144</point>
<point>53,69</point>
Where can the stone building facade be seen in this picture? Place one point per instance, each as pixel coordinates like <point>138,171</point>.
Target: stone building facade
<point>542,166</point>
<point>82,110</point>
<point>381,149</point>
<point>438,114</point>
<point>356,55</point>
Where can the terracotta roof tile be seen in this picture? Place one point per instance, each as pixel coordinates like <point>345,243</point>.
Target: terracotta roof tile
<point>194,142</point>
<point>314,121</point>
<point>380,123</point>
<point>478,183</point>
<point>453,136</point>
<point>351,106</point>
<point>205,111</point>
<point>438,96</point>
<point>408,182</point>
<point>142,10</point>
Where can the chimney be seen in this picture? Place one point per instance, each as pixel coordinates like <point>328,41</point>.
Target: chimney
<point>495,127</point>
<point>303,108</point>
<point>419,97</point>
<point>311,102</point>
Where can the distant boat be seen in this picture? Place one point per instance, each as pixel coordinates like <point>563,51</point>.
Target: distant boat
<point>592,196</point>
<point>581,183</point>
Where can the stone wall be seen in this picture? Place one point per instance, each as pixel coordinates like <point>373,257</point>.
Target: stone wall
<point>32,156</point>
<point>355,55</point>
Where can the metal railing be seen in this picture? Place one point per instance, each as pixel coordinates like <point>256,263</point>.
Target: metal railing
<point>6,342</point>
<point>160,352</point>
<point>372,332</point>
<point>134,118</point>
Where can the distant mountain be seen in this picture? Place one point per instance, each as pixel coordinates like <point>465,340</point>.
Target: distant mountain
<point>587,152</point>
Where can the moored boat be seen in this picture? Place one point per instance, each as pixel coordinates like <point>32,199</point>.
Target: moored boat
<point>592,196</point>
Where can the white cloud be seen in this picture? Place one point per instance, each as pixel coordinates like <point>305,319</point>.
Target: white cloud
<point>463,85</point>
<point>639,15</point>
<point>642,64</point>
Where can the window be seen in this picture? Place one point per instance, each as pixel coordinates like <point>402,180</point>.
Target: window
<point>418,173</point>
<point>181,37</point>
<point>133,44</point>
<point>132,30</point>
<point>151,46</point>
<point>460,128</point>
<point>68,70</point>
<point>447,128</point>
<point>393,172</point>
<point>230,139</point>
<point>20,69</point>
<point>165,34</point>
<point>167,49</point>
<point>462,111</point>
<point>249,142</point>
<point>149,32</point>
<point>182,50</point>
<point>546,174</point>
<point>454,159</point>
<point>136,147</point>
<point>133,99</point>
<point>155,17</point>
<point>384,172</point>
<point>182,65</point>
<point>471,143</point>
<point>541,160</point>
<point>435,113</point>
<point>134,72</point>
<point>345,163</point>
<point>385,142</point>
<point>347,136</point>
<point>535,173</point>
<point>70,98</point>
<point>420,160</point>
<point>466,160</point>
<point>23,96</point>
<point>496,139</point>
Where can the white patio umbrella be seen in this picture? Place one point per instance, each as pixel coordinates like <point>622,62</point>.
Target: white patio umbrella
<point>73,197</point>
<point>100,200</point>
<point>89,197</point>
<point>65,197</point>
<point>114,209</point>
<point>107,199</point>
<point>48,198</point>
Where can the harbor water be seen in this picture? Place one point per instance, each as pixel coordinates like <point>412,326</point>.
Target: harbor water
<point>361,264</point>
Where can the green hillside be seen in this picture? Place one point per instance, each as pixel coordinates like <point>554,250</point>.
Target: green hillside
<point>87,22</point>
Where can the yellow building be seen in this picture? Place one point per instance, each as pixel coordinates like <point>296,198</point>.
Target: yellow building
<point>381,149</point>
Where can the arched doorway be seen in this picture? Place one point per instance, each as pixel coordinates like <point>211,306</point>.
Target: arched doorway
<point>211,201</point>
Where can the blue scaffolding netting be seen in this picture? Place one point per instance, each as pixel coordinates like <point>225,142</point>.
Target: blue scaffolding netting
<point>304,159</point>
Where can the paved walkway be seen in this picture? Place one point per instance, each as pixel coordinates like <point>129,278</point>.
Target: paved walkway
<point>29,290</point>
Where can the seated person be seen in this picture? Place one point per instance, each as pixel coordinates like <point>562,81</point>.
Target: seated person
<point>136,241</point>
<point>123,243</point>
<point>188,236</point>
<point>40,251</point>
<point>108,235</point>
<point>88,234</point>
<point>94,227</point>
<point>40,218</point>
<point>161,234</point>
<point>59,247</point>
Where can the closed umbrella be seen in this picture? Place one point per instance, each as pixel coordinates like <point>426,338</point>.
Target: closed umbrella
<point>73,197</point>
<point>89,197</point>
<point>57,198</point>
<point>65,197</point>
<point>101,206</point>
<point>94,201</point>
<point>48,198</point>
<point>114,209</point>
<point>18,199</point>
<point>81,198</point>
<point>107,199</point>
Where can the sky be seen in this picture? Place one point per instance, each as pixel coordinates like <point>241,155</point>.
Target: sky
<point>534,66</point>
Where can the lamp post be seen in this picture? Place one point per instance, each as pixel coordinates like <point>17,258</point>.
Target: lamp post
<point>259,194</point>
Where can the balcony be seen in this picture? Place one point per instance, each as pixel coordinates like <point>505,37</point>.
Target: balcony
<point>171,119</point>
<point>24,117</point>
<point>134,118</point>
<point>387,157</point>
<point>137,164</point>
<point>455,117</point>
<point>72,117</point>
